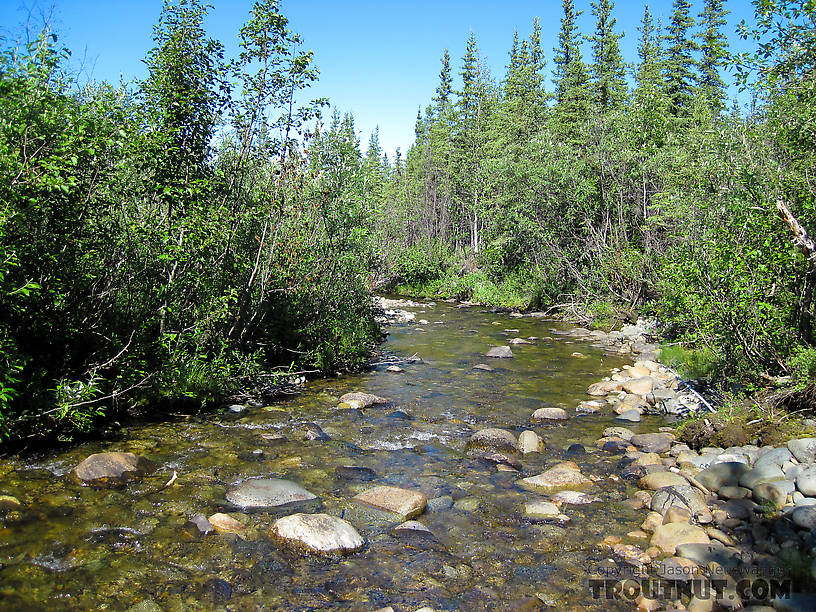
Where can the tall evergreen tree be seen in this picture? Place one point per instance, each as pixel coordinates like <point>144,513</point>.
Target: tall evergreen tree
<point>608,69</point>
<point>571,79</point>
<point>680,62</point>
<point>714,47</point>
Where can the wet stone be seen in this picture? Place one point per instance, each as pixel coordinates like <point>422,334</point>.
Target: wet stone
<point>565,475</point>
<point>576,450</point>
<point>493,438</point>
<point>630,416</point>
<point>355,473</point>
<point>671,535</point>
<point>500,352</point>
<point>402,502</point>
<point>529,442</point>
<point>365,399</point>
<point>268,493</point>
<point>703,554</point>
<point>483,367</point>
<point>549,414</point>
<point>320,534</point>
<point>112,469</point>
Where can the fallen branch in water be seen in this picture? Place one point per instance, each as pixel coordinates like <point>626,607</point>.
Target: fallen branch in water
<point>166,485</point>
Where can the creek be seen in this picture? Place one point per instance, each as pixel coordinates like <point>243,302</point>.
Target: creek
<point>75,547</point>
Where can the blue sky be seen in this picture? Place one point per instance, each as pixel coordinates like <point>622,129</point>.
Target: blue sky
<point>378,59</point>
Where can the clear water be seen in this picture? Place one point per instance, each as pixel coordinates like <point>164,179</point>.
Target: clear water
<point>76,547</point>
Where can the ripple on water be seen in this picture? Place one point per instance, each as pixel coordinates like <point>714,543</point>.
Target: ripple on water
<point>73,547</point>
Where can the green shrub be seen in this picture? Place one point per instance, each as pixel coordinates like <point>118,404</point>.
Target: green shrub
<point>691,364</point>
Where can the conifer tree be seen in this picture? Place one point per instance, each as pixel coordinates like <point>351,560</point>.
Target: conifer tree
<point>714,47</point>
<point>571,79</point>
<point>680,62</point>
<point>608,70</point>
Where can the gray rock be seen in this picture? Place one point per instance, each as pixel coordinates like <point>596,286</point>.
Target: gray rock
<point>703,554</point>
<point>806,481</point>
<point>792,470</point>
<point>652,442</point>
<point>365,399</point>
<point>806,501</point>
<point>440,504</point>
<point>500,352</point>
<point>621,432</point>
<point>529,442</point>
<point>630,416</point>
<point>765,473</point>
<point>493,438</point>
<point>355,473</point>
<point>483,367</point>
<point>684,496</point>
<point>731,492</point>
<point>774,492</point>
<point>268,493</point>
<point>660,395</point>
<point>804,449</point>
<point>549,414</point>
<point>320,534</point>
<point>741,509</point>
<point>719,475</point>
<point>777,456</point>
<point>804,516</point>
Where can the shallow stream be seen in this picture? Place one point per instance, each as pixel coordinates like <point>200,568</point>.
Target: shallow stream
<point>74,547</point>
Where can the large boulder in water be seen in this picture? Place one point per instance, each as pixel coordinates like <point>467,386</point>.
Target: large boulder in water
<point>320,534</point>
<point>268,493</point>
<point>113,469</point>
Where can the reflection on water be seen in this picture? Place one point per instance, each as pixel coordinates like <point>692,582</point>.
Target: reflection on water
<point>74,547</point>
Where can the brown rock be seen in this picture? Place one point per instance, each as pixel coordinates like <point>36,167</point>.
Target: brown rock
<point>566,475</point>
<point>402,502</point>
<point>667,537</point>
<point>110,469</point>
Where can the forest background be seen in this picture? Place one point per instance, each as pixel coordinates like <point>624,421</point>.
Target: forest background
<point>208,228</point>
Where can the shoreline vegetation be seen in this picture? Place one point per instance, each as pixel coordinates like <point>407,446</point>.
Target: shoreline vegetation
<point>169,241</point>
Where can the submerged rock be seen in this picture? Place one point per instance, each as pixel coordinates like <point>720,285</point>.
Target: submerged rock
<point>402,502</point>
<point>268,493</point>
<point>320,534</point>
<point>224,523</point>
<point>356,473</point>
<point>113,469</point>
<point>483,367</point>
<point>365,399</point>
<point>493,438</point>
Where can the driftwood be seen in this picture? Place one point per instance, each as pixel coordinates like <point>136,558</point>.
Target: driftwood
<point>800,235</point>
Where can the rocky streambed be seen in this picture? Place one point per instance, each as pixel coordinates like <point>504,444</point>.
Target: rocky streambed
<point>484,466</point>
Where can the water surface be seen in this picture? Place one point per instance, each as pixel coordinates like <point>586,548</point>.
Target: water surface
<point>76,547</point>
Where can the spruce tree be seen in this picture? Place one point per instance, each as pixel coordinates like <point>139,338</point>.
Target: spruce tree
<point>680,63</point>
<point>572,95</point>
<point>714,47</point>
<point>608,70</point>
